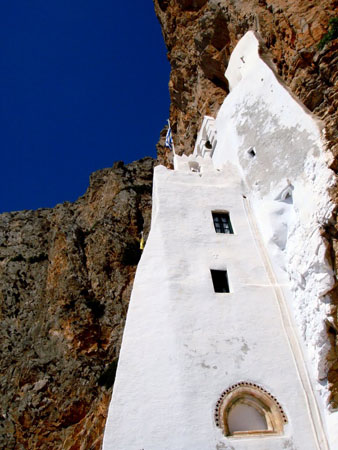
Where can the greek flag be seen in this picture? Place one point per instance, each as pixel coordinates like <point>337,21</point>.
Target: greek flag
<point>169,139</point>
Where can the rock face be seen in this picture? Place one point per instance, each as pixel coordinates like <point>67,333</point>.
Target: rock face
<point>301,39</point>
<point>201,35</point>
<point>66,276</point>
<point>66,273</point>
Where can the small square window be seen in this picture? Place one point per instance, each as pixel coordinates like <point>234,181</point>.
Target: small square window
<point>194,166</point>
<point>222,222</point>
<point>252,152</point>
<point>220,280</point>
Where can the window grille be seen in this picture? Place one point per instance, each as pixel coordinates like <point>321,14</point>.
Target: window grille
<point>222,223</point>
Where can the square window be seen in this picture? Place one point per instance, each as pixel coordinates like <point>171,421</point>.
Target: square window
<point>220,280</point>
<point>222,222</point>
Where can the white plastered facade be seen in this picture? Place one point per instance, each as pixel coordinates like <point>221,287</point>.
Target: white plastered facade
<point>183,343</point>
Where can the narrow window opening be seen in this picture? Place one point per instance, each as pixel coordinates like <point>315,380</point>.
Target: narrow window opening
<point>208,145</point>
<point>252,152</point>
<point>222,222</point>
<point>220,280</point>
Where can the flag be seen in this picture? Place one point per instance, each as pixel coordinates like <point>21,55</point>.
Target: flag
<point>169,139</point>
<point>142,241</point>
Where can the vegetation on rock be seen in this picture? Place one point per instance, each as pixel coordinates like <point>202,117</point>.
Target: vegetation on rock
<point>331,34</point>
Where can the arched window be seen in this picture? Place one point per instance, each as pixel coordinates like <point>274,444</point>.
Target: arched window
<point>244,415</point>
<point>248,409</point>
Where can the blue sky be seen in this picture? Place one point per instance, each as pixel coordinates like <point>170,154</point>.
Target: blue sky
<point>83,83</point>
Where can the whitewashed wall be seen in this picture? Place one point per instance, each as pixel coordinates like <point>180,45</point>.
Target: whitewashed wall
<point>183,343</point>
<point>261,115</point>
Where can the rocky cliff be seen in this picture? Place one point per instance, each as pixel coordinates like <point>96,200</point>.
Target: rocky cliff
<point>299,37</point>
<point>66,276</point>
<point>200,36</point>
<point>66,273</point>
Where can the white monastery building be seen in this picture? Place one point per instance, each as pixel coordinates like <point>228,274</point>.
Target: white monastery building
<point>225,341</point>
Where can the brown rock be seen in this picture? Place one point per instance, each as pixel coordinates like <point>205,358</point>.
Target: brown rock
<point>66,277</point>
<point>200,40</point>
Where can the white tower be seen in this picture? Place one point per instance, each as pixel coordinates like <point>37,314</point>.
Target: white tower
<point>210,358</point>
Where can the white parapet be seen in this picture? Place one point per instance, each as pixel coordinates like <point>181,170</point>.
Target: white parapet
<point>192,163</point>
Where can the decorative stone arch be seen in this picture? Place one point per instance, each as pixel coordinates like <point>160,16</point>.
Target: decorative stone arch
<point>246,409</point>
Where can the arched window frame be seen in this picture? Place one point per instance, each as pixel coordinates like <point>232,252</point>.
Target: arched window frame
<point>255,396</point>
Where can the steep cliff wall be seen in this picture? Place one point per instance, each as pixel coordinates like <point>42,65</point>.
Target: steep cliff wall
<point>300,37</point>
<point>66,273</point>
<point>200,36</point>
<point>66,276</point>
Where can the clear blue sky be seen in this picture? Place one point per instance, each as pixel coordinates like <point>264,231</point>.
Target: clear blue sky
<point>83,83</point>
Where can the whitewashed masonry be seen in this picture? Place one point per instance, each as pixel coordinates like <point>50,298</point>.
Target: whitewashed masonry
<point>204,370</point>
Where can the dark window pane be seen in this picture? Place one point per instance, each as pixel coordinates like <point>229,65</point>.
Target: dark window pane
<point>222,223</point>
<point>220,280</point>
